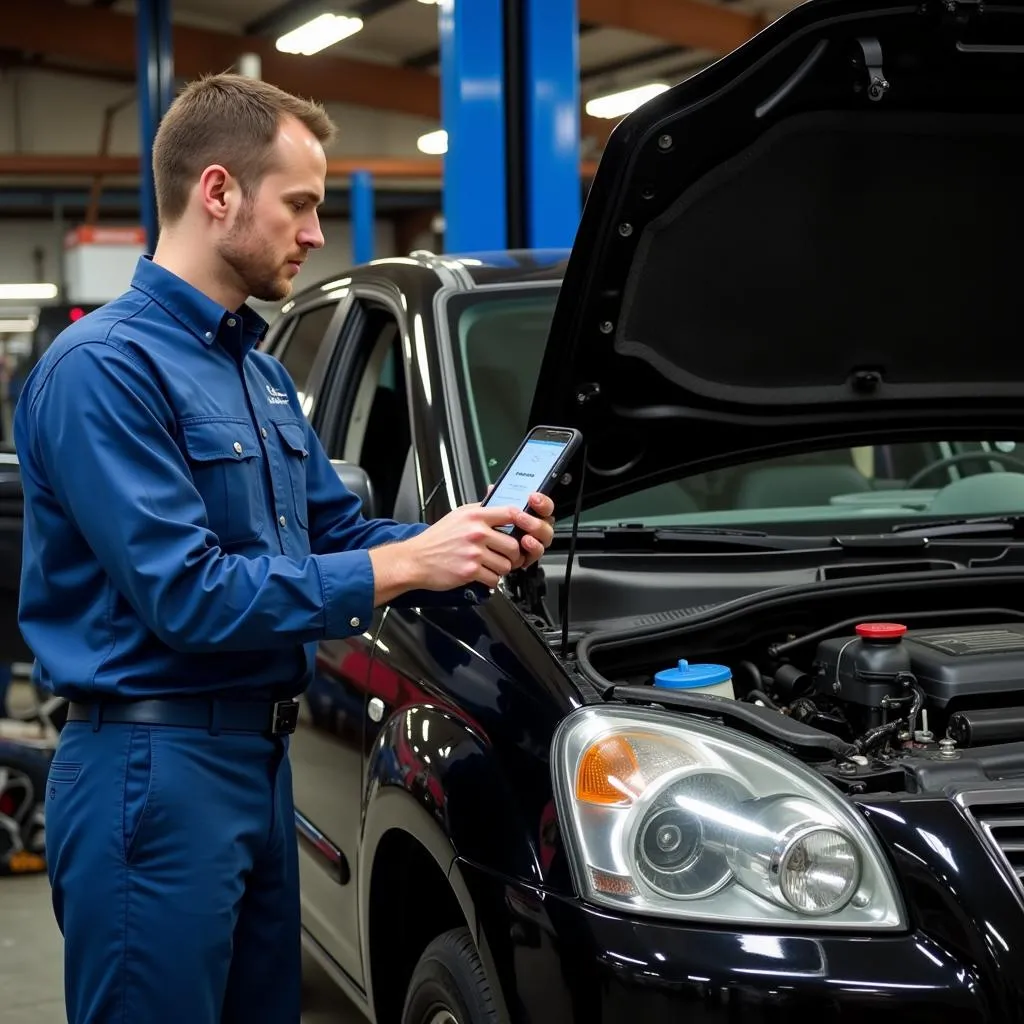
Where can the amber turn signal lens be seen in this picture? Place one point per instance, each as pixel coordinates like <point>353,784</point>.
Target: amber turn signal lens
<point>608,773</point>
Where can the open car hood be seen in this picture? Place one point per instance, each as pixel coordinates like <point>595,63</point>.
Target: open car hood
<point>816,241</point>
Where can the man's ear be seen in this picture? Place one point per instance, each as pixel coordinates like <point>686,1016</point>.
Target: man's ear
<point>216,188</point>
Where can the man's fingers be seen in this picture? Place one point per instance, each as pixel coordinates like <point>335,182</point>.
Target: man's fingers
<point>541,530</point>
<point>502,544</point>
<point>497,515</point>
<point>487,578</point>
<point>542,505</point>
<point>496,563</point>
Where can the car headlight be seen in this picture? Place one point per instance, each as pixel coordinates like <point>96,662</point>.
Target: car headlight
<point>674,816</point>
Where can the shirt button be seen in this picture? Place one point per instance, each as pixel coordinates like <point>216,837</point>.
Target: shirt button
<point>238,447</point>
<point>263,431</point>
<point>283,521</point>
<point>354,622</point>
<point>209,334</point>
<point>231,321</point>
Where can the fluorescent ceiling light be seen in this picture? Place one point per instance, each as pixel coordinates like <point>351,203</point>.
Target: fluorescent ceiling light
<point>318,34</point>
<point>27,292</point>
<point>619,104</point>
<point>429,1</point>
<point>20,325</point>
<point>433,143</point>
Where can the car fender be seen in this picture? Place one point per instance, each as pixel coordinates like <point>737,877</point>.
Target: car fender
<point>434,777</point>
<point>393,803</point>
<point>450,773</point>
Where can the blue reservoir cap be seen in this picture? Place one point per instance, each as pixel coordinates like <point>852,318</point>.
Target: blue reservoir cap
<point>687,677</point>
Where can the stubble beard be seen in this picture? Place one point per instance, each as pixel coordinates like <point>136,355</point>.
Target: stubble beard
<point>250,256</point>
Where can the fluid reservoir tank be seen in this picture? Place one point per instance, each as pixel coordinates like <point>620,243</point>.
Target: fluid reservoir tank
<point>864,669</point>
<point>698,678</point>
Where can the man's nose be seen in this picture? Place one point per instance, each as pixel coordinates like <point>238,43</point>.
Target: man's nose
<point>311,237</point>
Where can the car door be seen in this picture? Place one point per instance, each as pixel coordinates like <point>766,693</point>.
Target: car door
<point>359,413</point>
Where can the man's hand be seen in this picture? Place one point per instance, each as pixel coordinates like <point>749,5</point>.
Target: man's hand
<point>464,547</point>
<point>539,528</point>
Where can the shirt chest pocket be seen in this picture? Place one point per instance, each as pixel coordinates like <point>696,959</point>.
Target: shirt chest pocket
<point>292,439</point>
<point>226,462</point>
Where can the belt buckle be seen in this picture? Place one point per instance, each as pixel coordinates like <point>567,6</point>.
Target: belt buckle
<point>285,718</point>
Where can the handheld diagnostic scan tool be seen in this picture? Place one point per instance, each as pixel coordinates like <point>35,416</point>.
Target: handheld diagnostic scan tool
<point>537,465</point>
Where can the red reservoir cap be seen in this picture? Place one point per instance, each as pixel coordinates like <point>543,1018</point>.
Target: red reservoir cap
<point>881,630</point>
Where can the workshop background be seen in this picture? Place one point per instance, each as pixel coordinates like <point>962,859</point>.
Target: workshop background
<point>466,125</point>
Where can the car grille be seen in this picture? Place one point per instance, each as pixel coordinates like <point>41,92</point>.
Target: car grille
<point>999,816</point>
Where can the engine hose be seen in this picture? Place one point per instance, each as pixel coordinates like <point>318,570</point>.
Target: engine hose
<point>876,735</point>
<point>916,704</point>
<point>760,695</point>
<point>880,732</point>
<point>756,678</point>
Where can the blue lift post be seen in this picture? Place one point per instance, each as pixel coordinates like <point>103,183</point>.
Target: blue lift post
<point>550,117</point>
<point>154,66</point>
<point>361,204</point>
<point>473,114</point>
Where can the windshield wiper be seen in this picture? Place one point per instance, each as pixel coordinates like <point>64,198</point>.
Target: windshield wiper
<point>676,538</point>
<point>968,526</point>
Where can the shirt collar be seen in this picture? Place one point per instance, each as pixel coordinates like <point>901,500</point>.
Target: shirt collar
<point>209,321</point>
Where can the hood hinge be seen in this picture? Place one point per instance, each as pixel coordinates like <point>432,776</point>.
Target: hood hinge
<point>870,60</point>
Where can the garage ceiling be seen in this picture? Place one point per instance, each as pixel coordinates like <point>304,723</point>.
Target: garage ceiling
<point>392,63</point>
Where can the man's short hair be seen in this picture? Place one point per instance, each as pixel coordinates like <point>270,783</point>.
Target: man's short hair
<point>224,119</point>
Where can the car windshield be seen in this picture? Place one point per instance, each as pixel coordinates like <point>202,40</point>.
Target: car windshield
<point>499,338</point>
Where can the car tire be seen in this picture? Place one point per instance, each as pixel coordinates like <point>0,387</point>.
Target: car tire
<point>448,985</point>
<point>23,773</point>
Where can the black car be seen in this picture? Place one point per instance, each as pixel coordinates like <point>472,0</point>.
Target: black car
<point>788,331</point>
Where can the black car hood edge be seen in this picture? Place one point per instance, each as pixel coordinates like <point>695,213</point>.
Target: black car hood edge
<point>813,243</point>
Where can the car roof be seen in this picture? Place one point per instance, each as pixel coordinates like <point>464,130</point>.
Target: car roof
<point>469,270</point>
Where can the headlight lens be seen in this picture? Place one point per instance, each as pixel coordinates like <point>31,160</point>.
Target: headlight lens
<point>670,815</point>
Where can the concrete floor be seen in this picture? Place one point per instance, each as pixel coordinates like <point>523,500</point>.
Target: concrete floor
<point>32,957</point>
<point>31,964</point>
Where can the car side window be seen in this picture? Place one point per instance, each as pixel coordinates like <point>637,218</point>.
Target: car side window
<point>375,434</point>
<point>302,347</point>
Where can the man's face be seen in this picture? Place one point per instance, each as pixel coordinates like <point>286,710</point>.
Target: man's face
<point>276,227</point>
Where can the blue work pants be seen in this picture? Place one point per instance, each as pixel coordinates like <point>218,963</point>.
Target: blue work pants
<point>173,862</point>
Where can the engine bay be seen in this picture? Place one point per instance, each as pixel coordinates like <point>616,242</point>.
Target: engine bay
<point>906,699</point>
<point>885,683</point>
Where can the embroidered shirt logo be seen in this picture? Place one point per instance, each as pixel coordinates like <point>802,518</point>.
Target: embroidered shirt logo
<point>275,397</point>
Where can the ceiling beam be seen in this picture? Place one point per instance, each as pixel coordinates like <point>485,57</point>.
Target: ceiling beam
<point>690,23</point>
<point>73,165</point>
<point>108,38</point>
<point>70,165</point>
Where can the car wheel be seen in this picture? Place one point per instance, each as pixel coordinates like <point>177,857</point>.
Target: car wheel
<point>448,985</point>
<point>22,794</point>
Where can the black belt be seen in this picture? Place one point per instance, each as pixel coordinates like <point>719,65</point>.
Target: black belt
<point>272,719</point>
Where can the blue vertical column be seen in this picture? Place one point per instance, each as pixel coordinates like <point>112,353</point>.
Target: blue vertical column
<point>361,204</point>
<point>472,113</point>
<point>154,71</point>
<point>551,122</point>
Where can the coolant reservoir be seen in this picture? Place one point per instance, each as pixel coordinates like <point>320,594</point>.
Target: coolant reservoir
<point>704,678</point>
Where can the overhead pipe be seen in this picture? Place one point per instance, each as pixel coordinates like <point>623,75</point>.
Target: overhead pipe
<point>60,165</point>
<point>96,192</point>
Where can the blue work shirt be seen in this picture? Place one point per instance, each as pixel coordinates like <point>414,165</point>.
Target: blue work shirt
<point>185,532</point>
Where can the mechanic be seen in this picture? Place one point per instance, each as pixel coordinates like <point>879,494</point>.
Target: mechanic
<point>187,543</point>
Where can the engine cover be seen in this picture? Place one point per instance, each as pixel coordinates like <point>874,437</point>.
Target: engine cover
<point>948,664</point>
<point>974,661</point>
